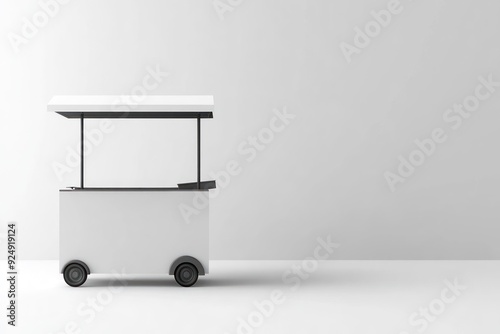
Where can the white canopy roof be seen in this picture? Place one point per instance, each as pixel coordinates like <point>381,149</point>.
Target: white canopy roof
<point>129,106</point>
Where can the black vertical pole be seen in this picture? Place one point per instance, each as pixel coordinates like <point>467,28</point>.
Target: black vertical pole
<point>81,151</point>
<point>199,151</point>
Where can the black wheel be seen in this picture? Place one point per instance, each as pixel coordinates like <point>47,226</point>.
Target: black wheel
<point>186,274</point>
<point>75,274</point>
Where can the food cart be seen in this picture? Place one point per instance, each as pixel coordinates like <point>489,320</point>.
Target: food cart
<point>133,230</point>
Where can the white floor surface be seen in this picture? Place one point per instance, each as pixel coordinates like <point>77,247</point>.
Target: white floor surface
<point>389,297</point>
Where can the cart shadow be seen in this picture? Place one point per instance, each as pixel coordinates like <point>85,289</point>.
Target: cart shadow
<point>249,279</point>
<point>170,282</point>
<point>142,282</point>
<point>341,277</point>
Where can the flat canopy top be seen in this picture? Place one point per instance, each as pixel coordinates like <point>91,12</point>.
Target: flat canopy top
<point>130,106</point>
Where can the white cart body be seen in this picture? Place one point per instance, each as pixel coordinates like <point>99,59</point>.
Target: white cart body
<point>134,230</point>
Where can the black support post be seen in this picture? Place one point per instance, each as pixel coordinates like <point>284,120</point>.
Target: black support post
<point>81,151</point>
<point>199,150</point>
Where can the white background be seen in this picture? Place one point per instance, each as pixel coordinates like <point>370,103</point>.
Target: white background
<point>324,174</point>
